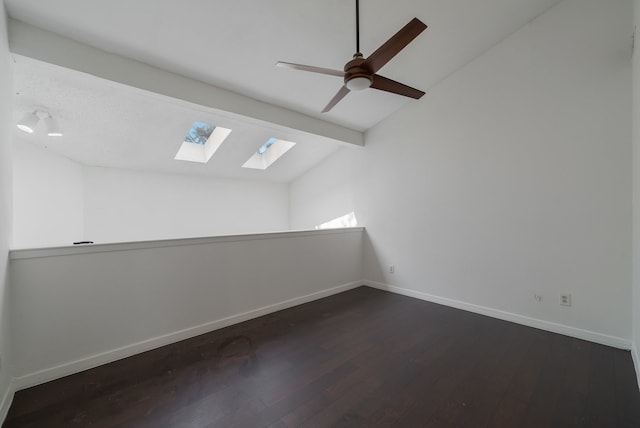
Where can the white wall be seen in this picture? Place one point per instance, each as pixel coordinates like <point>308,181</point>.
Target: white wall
<point>318,197</point>
<point>79,307</point>
<point>47,197</point>
<point>6,97</point>
<point>636,191</point>
<point>58,201</point>
<point>512,177</point>
<point>125,205</point>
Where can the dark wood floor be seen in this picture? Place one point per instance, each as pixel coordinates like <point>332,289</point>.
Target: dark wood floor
<point>361,358</point>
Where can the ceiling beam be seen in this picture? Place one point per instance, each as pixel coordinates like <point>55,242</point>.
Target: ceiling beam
<point>43,45</point>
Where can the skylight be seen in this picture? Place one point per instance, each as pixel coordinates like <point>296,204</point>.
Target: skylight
<point>268,153</point>
<point>201,142</point>
<point>199,133</point>
<point>266,145</point>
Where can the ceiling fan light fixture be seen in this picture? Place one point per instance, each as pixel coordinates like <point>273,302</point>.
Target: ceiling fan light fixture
<point>28,122</point>
<point>361,73</point>
<point>359,83</point>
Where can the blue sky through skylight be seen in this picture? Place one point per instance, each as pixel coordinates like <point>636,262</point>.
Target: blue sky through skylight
<point>266,145</point>
<point>199,133</point>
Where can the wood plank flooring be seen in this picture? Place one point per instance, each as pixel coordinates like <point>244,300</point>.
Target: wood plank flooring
<point>364,358</point>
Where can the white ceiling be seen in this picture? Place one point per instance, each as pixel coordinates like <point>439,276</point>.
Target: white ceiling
<point>113,125</point>
<point>234,44</point>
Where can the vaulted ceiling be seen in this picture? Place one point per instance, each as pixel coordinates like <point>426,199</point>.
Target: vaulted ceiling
<point>113,125</point>
<point>234,44</point>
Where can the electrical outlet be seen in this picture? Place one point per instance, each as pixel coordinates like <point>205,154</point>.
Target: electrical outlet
<point>565,299</point>
<point>392,269</point>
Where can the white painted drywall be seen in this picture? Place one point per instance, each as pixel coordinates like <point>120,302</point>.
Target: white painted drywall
<point>48,196</point>
<point>318,196</point>
<point>636,191</point>
<point>6,98</point>
<point>511,177</point>
<point>58,201</point>
<point>123,205</point>
<point>85,306</point>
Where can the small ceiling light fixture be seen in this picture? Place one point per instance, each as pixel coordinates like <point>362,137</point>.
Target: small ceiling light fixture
<point>30,120</point>
<point>52,127</point>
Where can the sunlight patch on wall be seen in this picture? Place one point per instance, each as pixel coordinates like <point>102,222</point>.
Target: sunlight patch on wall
<point>347,220</point>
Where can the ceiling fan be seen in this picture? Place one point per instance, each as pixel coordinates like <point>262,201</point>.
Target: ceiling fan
<point>360,72</point>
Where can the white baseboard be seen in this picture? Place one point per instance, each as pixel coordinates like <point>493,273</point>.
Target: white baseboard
<point>636,361</point>
<point>7,399</point>
<point>616,342</point>
<point>92,361</point>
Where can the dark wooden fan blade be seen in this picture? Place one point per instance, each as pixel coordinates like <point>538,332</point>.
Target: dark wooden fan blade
<point>310,68</point>
<point>395,44</point>
<point>384,84</point>
<point>336,99</point>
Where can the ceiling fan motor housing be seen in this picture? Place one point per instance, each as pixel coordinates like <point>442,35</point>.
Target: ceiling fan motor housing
<point>355,73</point>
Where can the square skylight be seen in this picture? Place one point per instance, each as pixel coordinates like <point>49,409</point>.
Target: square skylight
<point>201,142</point>
<point>268,153</point>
